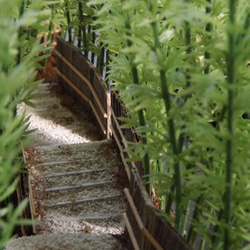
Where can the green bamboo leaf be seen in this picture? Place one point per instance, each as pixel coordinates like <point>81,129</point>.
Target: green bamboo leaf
<point>17,212</point>
<point>25,222</point>
<point>7,191</point>
<point>3,211</point>
<point>29,103</point>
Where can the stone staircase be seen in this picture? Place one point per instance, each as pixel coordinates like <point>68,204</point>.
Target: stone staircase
<point>76,180</point>
<point>75,188</point>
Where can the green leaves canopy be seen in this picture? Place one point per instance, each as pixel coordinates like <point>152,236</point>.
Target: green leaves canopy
<point>184,47</point>
<point>16,86</point>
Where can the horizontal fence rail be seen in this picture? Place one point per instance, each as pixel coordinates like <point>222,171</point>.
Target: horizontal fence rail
<point>81,80</point>
<point>145,227</point>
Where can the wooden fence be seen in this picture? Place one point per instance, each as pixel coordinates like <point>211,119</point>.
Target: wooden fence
<point>81,80</point>
<point>146,228</point>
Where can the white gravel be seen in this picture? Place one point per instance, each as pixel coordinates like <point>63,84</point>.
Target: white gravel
<point>65,241</point>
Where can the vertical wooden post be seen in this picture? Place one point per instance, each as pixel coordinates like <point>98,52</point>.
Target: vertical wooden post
<point>109,131</point>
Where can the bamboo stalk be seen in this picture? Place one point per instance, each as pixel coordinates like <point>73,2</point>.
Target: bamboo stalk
<point>141,117</point>
<point>184,221</point>
<point>20,33</point>
<point>80,16</point>
<point>208,29</point>
<point>203,244</point>
<point>187,76</point>
<point>66,4</point>
<point>191,236</point>
<point>100,59</point>
<point>88,37</point>
<point>221,215</point>
<point>51,23</point>
<point>215,239</point>
<point>93,38</point>
<point>50,37</point>
<point>169,199</point>
<point>171,127</point>
<point>231,73</point>
<point>85,40</point>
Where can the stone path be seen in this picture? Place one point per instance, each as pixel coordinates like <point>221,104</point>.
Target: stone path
<point>76,180</point>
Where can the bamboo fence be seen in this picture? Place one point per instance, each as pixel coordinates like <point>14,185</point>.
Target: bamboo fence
<point>145,227</point>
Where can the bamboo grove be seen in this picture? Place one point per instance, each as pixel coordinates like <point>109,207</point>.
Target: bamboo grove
<point>181,68</point>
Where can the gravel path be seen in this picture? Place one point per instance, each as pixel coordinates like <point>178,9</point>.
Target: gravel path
<point>75,178</point>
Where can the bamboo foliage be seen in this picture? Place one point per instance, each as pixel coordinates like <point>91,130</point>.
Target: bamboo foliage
<point>76,25</point>
<point>190,59</point>
<point>141,117</point>
<point>18,52</point>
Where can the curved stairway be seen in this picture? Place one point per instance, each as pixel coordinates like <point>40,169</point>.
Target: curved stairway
<point>76,180</point>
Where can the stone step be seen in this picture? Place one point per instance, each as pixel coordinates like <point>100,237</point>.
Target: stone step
<point>66,241</point>
<point>114,227</point>
<point>101,150</point>
<point>84,200</point>
<point>112,204</point>
<point>102,214</point>
<point>86,218</point>
<point>81,186</point>
<point>79,172</point>
<point>77,165</point>
<point>56,194</point>
<point>91,178</point>
<point>86,224</point>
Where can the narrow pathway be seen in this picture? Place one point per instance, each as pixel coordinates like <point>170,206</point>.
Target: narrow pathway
<point>76,180</point>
